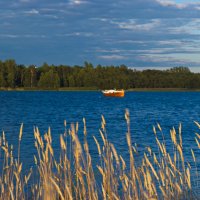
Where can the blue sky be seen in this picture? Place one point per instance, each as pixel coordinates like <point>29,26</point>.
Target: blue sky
<point>138,33</point>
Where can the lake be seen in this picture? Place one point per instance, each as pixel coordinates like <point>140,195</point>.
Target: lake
<point>49,109</point>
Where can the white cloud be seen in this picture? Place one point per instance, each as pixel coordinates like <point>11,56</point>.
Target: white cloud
<point>13,36</point>
<point>99,19</point>
<point>108,50</point>
<point>191,26</point>
<point>8,36</point>
<point>155,51</point>
<point>108,30</point>
<point>130,42</point>
<point>112,57</point>
<point>175,59</point>
<point>157,58</point>
<point>179,4</point>
<point>77,2</point>
<point>84,34</point>
<point>171,3</point>
<point>132,24</point>
<point>170,42</point>
<point>32,12</point>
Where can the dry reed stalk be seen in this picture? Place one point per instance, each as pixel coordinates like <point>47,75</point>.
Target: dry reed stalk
<point>103,138</point>
<point>123,163</point>
<point>74,178</point>
<point>20,137</point>
<point>131,157</point>
<point>172,173</point>
<point>198,135</point>
<point>103,123</point>
<point>180,135</point>
<point>170,162</point>
<point>159,145</point>
<point>98,146</point>
<point>154,130</point>
<point>188,178</point>
<point>182,157</point>
<point>57,189</point>
<point>90,177</point>
<point>62,143</point>
<point>164,150</point>
<point>152,168</point>
<point>12,183</point>
<point>65,123</point>
<point>193,156</point>
<point>45,155</point>
<point>4,138</point>
<point>85,129</point>
<point>149,183</point>
<point>198,144</point>
<point>173,136</point>
<point>197,124</point>
<point>21,131</point>
<point>159,127</point>
<point>115,154</point>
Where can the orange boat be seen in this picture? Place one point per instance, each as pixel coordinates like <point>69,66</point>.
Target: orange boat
<point>113,93</point>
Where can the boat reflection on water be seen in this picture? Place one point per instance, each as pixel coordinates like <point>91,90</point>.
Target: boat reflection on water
<point>113,93</point>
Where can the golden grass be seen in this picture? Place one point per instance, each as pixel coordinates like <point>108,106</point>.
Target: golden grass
<point>160,175</point>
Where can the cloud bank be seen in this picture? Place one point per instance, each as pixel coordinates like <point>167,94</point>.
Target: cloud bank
<point>147,33</point>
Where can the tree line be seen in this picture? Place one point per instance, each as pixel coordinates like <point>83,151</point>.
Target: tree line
<point>47,76</point>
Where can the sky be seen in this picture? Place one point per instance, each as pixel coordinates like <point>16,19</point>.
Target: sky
<point>141,34</point>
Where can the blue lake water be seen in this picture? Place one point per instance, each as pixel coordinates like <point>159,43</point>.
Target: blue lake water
<point>50,109</point>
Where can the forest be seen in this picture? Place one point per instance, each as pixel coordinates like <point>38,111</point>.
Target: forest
<point>13,75</point>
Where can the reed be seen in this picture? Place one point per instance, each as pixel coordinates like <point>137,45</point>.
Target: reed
<point>161,174</point>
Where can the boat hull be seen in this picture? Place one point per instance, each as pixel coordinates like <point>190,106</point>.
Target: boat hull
<point>113,93</point>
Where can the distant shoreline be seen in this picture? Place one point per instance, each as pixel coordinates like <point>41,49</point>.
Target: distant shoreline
<point>68,89</point>
<point>163,90</point>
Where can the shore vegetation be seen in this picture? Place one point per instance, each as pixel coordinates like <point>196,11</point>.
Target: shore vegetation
<point>64,77</point>
<point>162,174</point>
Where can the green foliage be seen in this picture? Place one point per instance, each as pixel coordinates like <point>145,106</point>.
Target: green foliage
<point>3,75</point>
<point>30,77</point>
<point>49,79</point>
<point>100,77</point>
<point>11,72</point>
<point>179,70</point>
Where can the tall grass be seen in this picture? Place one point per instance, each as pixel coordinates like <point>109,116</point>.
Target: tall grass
<point>161,174</point>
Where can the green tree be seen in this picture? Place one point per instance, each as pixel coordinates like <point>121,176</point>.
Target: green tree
<point>11,71</point>
<point>194,81</point>
<point>3,75</point>
<point>71,81</point>
<point>30,79</point>
<point>180,69</point>
<point>49,79</point>
<point>20,73</point>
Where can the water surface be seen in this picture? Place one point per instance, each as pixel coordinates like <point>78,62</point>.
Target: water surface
<point>50,109</point>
